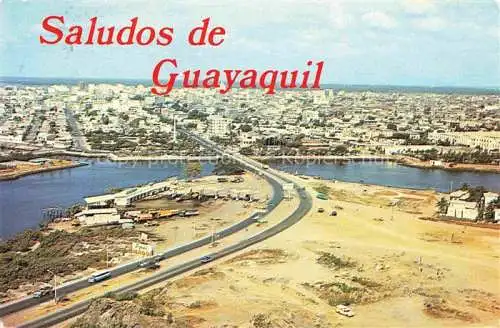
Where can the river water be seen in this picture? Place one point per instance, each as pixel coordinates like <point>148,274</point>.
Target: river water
<point>22,201</point>
<point>394,175</point>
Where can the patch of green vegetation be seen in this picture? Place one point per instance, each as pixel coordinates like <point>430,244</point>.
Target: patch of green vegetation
<point>365,282</point>
<point>322,188</point>
<point>148,306</point>
<point>60,252</point>
<point>341,299</point>
<point>344,288</point>
<point>22,242</point>
<point>331,261</point>
<point>126,296</point>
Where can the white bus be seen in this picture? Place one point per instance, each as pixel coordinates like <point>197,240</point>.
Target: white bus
<point>96,277</point>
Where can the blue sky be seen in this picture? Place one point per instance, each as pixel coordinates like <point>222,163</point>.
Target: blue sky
<point>399,42</point>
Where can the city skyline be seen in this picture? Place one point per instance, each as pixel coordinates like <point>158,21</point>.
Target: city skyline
<point>410,43</point>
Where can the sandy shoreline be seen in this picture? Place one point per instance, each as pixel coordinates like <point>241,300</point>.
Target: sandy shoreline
<point>17,175</point>
<point>457,167</point>
<point>393,268</point>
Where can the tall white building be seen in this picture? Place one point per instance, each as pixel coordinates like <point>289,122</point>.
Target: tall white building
<point>218,126</point>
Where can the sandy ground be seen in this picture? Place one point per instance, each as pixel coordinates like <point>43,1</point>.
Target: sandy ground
<point>214,215</point>
<point>394,269</point>
<point>225,212</point>
<point>23,168</point>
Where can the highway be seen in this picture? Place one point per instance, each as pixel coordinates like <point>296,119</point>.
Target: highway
<point>276,181</point>
<point>73,286</point>
<point>129,267</point>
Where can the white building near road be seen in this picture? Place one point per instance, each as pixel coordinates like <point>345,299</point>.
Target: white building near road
<point>98,216</point>
<point>463,210</point>
<point>485,140</point>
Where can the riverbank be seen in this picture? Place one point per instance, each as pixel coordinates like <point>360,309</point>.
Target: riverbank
<point>22,169</point>
<point>212,215</point>
<point>286,160</point>
<point>379,258</point>
<point>458,167</point>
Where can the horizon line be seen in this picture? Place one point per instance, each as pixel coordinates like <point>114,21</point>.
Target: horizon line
<point>117,80</point>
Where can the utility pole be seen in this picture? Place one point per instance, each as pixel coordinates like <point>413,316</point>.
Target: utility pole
<point>55,286</point>
<point>175,131</point>
<point>107,254</point>
<point>213,235</point>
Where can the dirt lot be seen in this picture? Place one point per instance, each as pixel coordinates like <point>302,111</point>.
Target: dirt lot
<point>86,245</point>
<point>393,269</point>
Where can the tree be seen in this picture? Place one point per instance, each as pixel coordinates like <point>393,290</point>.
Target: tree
<point>192,169</point>
<point>105,120</point>
<point>392,126</point>
<point>340,150</point>
<point>246,151</point>
<point>442,205</point>
<point>227,168</point>
<point>464,187</point>
<point>245,128</point>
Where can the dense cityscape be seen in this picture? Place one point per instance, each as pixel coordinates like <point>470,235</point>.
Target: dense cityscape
<point>121,232</point>
<point>345,174</point>
<point>128,120</point>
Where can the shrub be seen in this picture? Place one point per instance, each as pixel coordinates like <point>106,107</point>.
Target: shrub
<point>331,261</point>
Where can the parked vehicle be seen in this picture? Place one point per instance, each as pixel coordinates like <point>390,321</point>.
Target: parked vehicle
<point>344,310</point>
<point>322,196</point>
<point>334,213</point>
<point>96,277</point>
<point>321,210</point>
<point>189,213</point>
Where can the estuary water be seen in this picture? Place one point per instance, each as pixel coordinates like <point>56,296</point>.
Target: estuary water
<point>393,175</point>
<point>23,201</point>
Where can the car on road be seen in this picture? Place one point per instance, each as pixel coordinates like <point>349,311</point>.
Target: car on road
<point>206,259</point>
<point>145,264</point>
<point>334,213</point>
<point>158,258</point>
<point>43,291</point>
<point>321,210</point>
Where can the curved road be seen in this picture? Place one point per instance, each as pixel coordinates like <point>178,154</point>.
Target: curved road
<point>274,178</point>
<point>29,301</point>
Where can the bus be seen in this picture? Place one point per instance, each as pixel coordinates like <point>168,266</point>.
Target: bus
<point>96,277</point>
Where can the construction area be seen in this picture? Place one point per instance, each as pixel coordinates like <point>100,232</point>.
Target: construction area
<point>105,235</point>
